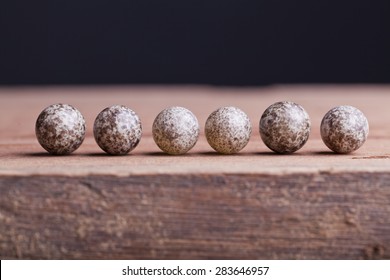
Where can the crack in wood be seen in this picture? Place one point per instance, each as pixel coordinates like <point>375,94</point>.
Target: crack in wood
<point>372,157</point>
<point>92,188</point>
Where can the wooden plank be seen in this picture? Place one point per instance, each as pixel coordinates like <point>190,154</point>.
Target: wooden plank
<point>256,204</point>
<point>305,216</point>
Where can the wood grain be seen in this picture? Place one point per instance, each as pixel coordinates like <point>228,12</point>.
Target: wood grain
<point>147,205</point>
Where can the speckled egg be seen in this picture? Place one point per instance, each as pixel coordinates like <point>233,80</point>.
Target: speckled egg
<point>344,129</point>
<point>228,130</point>
<point>60,129</point>
<point>175,130</point>
<point>284,127</point>
<point>117,130</point>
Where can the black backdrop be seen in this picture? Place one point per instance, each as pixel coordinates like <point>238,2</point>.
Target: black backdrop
<point>224,42</point>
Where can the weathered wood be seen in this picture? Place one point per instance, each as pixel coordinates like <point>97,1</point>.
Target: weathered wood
<point>315,216</point>
<point>256,204</point>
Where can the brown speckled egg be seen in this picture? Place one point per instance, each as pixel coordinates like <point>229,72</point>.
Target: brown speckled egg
<point>117,130</point>
<point>228,130</point>
<point>175,130</point>
<point>284,127</point>
<point>60,129</point>
<point>344,129</point>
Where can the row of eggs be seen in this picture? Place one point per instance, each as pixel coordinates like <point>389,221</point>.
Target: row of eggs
<point>284,128</point>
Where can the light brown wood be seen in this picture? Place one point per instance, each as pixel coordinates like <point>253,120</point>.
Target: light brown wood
<point>256,204</point>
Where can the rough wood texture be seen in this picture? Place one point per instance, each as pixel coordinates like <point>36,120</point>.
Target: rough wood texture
<point>309,205</point>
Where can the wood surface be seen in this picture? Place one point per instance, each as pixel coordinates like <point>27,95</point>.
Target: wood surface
<point>147,205</point>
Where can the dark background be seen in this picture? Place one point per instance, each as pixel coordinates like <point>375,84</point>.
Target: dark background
<point>221,42</point>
